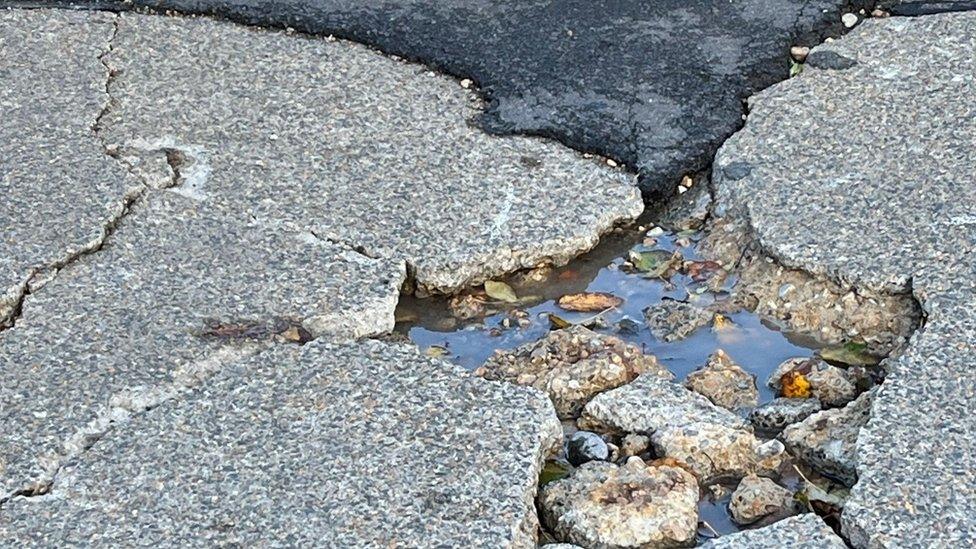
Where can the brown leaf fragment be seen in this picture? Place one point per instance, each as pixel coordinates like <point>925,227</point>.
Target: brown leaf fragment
<point>589,302</point>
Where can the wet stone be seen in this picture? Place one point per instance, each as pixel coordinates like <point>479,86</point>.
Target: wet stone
<point>831,385</point>
<point>633,505</point>
<point>672,320</point>
<point>583,446</point>
<point>758,497</point>
<point>724,382</point>
<point>776,415</point>
<point>572,366</point>
<point>827,440</point>
<point>806,531</point>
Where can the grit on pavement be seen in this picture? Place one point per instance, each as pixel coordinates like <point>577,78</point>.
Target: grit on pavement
<point>206,226</point>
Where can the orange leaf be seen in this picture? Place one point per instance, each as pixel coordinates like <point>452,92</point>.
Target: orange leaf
<point>795,385</point>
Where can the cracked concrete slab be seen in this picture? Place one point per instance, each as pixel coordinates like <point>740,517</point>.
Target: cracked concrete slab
<point>356,147</point>
<point>176,293</point>
<point>366,444</point>
<point>655,84</point>
<point>58,190</point>
<point>863,169</point>
<point>807,531</point>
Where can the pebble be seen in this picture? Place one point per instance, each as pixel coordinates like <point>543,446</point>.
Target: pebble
<point>584,446</point>
<point>849,19</point>
<point>799,53</point>
<point>758,497</point>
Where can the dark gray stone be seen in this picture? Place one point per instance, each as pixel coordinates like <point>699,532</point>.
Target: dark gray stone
<point>584,446</point>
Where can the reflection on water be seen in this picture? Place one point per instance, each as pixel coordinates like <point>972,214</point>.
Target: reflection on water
<point>755,345</point>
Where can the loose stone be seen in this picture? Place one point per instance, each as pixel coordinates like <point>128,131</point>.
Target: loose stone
<point>584,446</point>
<point>758,497</point>
<point>633,505</point>
<point>849,19</point>
<point>831,385</point>
<point>672,320</point>
<point>572,366</point>
<point>799,53</point>
<point>711,450</point>
<point>635,445</point>
<point>724,382</point>
<point>776,415</point>
<point>827,440</point>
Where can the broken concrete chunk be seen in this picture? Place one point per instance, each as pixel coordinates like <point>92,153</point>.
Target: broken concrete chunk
<point>711,450</point>
<point>776,415</point>
<point>759,497</point>
<point>831,385</point>
<point>827,440</point>
<point>724,382</point>
<point>176,293</point>
<point>572,366</point>
<point>362,444</point>
<point>59,191</point>
<point>634,505</point>
<point>369,151</point>
<point>806,531</point>
<point>671,320</point>
<point>650,403</point>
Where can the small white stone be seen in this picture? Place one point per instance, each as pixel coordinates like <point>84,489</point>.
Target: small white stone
<point>849,19</point>
<point>466,83</point>
<point>612,163</point>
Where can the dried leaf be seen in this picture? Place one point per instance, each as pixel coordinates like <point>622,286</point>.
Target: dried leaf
<point>436,351</point>
<point>589,302</point>
<point>851,353</point>
<point>702,270</point>
<point>552,471</point>
<point>795,385</point>
<point>722,323</point>
<point>500,291</point>
<point>558,323</point>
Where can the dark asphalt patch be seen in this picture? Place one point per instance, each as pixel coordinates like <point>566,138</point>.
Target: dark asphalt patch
<point>655,84</point>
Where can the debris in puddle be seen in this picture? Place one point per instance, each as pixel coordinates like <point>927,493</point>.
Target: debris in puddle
<point>634,505</point>
<point>758,497</point>
<point>827,440</point>
<point>277,329</point>
<point>572,366</point>
<point>666,390</point>
<point>724,382</point>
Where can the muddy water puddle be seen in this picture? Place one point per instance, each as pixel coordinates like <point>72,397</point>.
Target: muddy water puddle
<point>757,345</point>
<point>642,266</point>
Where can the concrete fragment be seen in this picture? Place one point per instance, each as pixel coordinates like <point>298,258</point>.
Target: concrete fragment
<point>176,293</point>
<point>779,413</point>
<point>724,382</point>
<point>711,450</point>
<point>827,440</point>
<point>339,445</point>
<point>828,384</point>
<point>650,403</point>
<point>367,151</point>
<point>572,366</point>
<point>59,192</point>
<point>671,320</point>
<point>807,531</point>
<point>758,497</point>
<point>634,505</point>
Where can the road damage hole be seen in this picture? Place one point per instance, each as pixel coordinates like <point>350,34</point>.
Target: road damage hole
<point>678,339</point>
<point>279,329</point>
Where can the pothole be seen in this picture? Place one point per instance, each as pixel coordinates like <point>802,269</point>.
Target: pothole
<point>687,290</point>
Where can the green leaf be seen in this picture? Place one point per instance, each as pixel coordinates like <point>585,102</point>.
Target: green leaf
<point>795,68</point>
<point>553,471</point>
<point>851,353</point>
<point>500,291</point>
<point>654,263</point>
